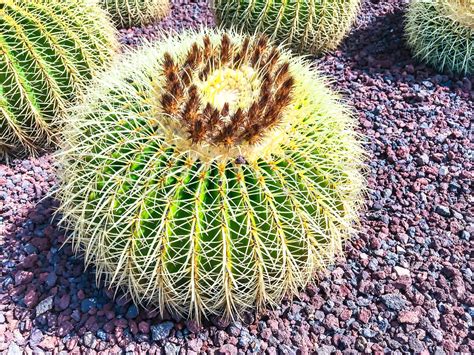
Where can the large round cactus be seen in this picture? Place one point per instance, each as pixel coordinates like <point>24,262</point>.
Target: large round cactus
<point>128,13</point>
<point>209,173</point>
<point>308,26</point>
<point>48,50</point>
<point>441,33</point>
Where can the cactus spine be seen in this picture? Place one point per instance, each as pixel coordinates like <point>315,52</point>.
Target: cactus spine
<point>209,173</point>
<point>48,49</point>
<point>306,25</point>
<point>441,33</point>
<point>128,13</point>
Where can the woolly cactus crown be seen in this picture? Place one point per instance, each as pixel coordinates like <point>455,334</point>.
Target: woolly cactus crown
<point>48,50</point>
<point>209,173</point>
<point>306,25</point>
<point>128,13</point>
<point>441,33</point>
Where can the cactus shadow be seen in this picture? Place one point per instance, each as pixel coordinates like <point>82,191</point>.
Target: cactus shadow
<point>376,50</point>
<point>51,297</point>
<point>45,289</point>
<point>378,44</point>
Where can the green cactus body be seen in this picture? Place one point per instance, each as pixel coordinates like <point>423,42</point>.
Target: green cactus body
<point>210,173</point>
<point>48,49</point>
<point>441,33</point>
<point>312,26</point>
<point>128,13</point>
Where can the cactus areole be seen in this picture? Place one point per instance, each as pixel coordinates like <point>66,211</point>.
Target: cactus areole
<point>210,173</point>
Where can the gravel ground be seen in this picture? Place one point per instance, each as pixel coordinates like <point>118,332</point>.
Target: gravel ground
<point>406,285</point>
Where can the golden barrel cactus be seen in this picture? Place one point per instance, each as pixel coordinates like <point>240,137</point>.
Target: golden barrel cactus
<point>310,26</point>
<point>209,173</point>
<point>49,49</point>
<point>441,33</point>
<point>128,13</point>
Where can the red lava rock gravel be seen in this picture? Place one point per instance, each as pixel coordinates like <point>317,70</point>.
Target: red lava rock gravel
<point>406,285</point>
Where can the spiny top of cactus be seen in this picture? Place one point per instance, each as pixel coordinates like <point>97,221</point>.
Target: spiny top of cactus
<point>226,95</point>
<point>210,172</point>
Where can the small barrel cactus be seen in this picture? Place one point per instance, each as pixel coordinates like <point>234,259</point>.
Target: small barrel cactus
<point>307,26</point>
<point>441,33</point>
<point>48,50</point>
<point>209,173</point>
<point>128,13</point>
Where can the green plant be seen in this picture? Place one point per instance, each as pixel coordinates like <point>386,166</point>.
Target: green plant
<point>312,26</point>
<point>128,13</point>
<point>48,50</point>
<point>441,33</point>
<point>210,172</point>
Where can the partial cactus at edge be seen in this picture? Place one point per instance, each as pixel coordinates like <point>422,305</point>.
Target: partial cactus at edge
<point>128,13</point>
<point>441,33</point>
<point>307,26</point>
<point>48,50</point>
<point>209,173</point>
